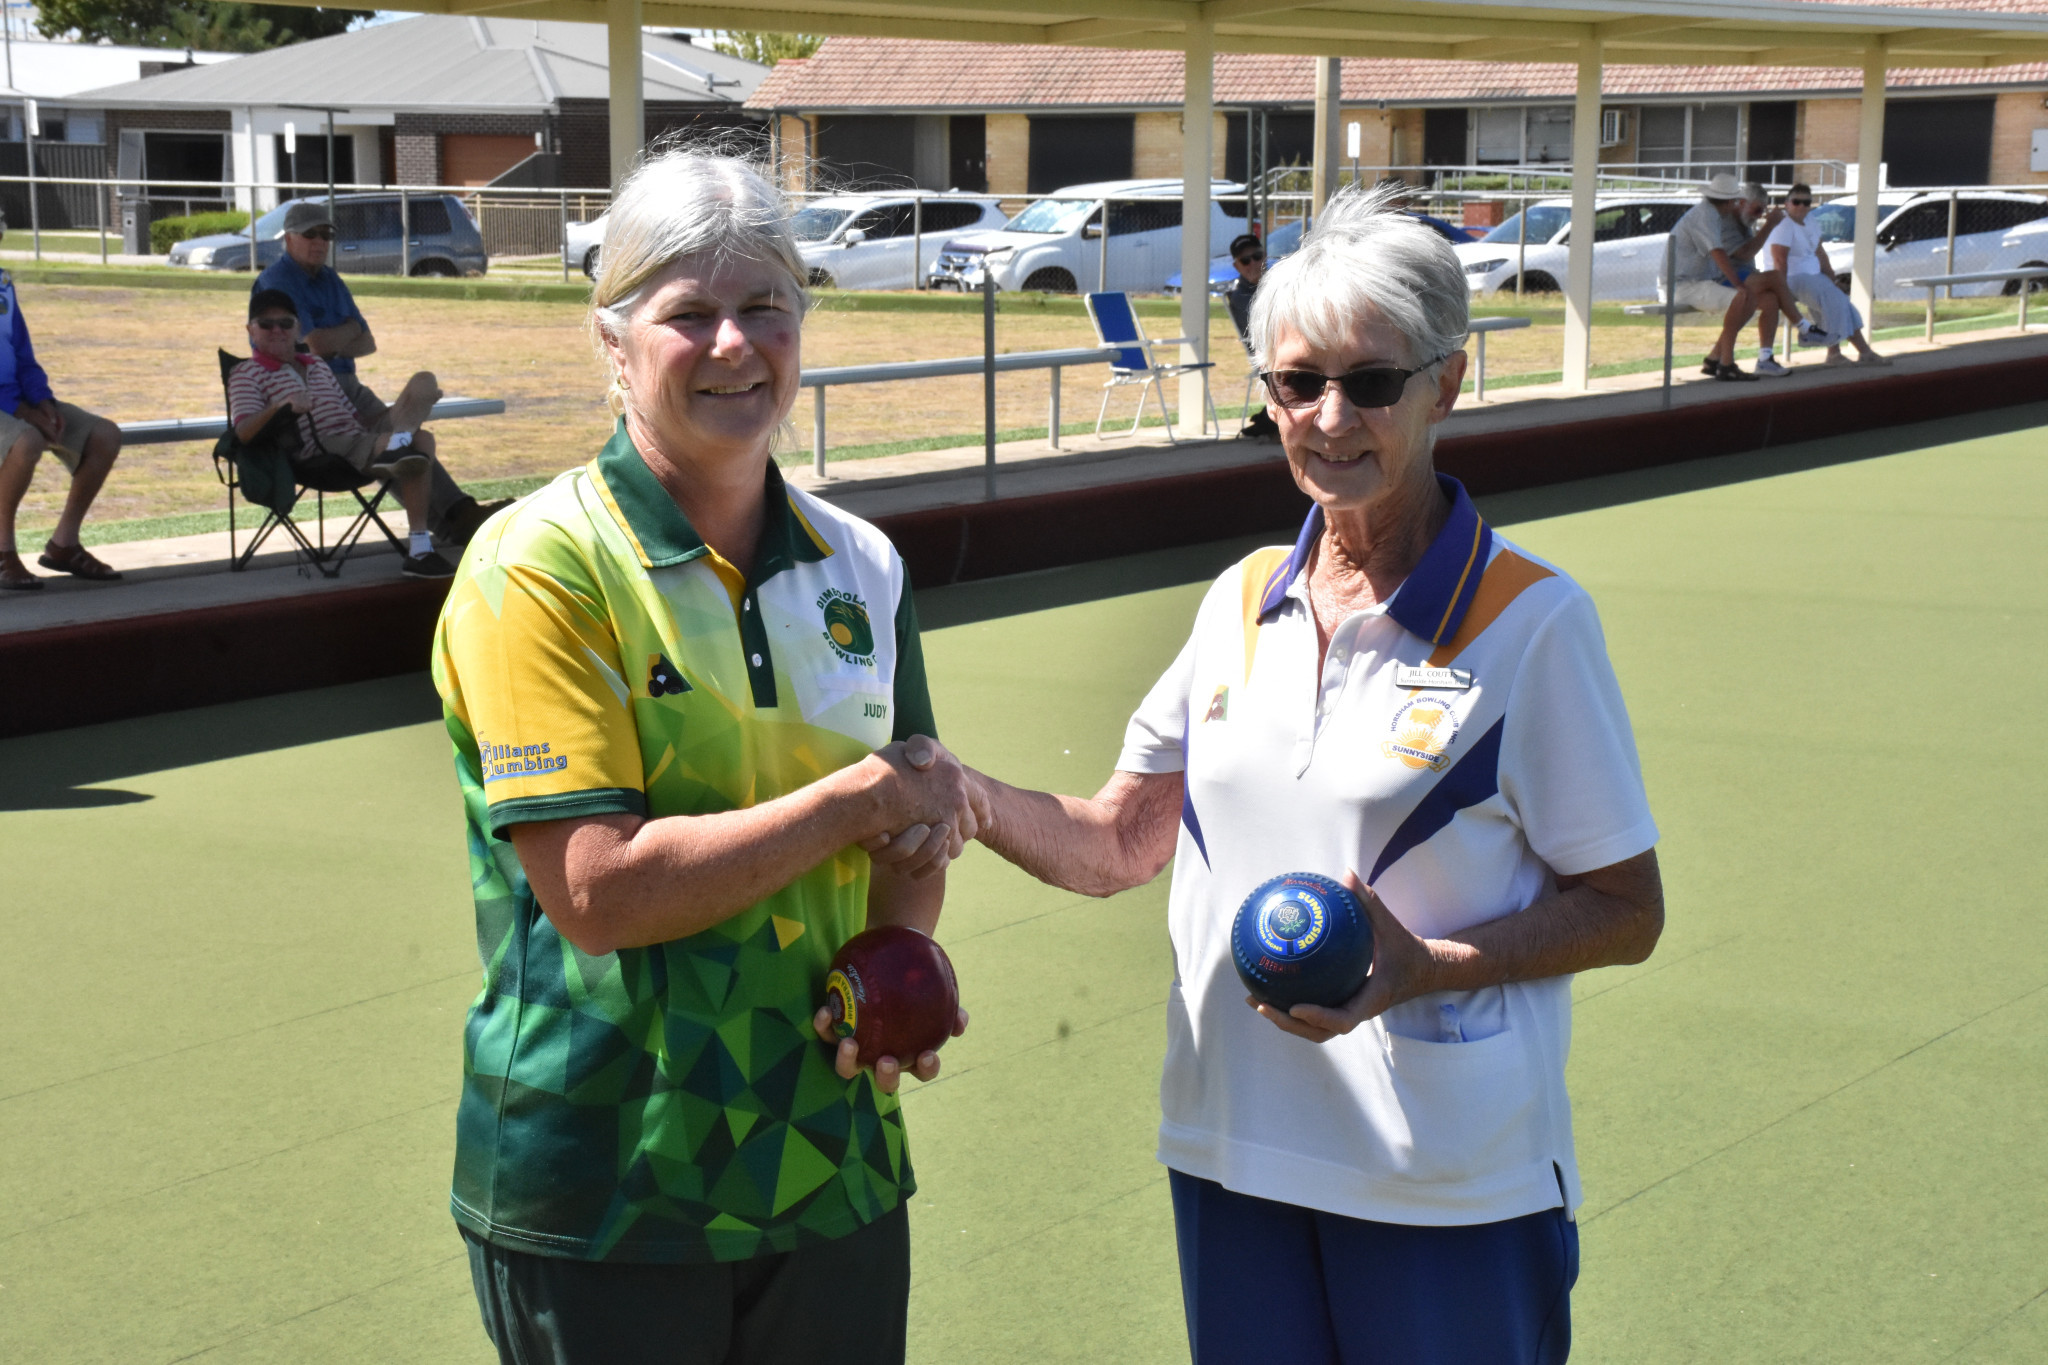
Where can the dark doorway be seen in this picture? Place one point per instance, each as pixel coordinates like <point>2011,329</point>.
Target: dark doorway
<point>1773,137</point>
<point>1938,142</point>
<point>967,153</point>
<point>1445,137</point>
<point>1078,149</point>
<point>184,156</point>
<point>307,167</point>
<point>867,150</point>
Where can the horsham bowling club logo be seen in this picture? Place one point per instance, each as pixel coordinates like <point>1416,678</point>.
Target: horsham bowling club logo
<point>1423,730</point>
<point>847,628</point>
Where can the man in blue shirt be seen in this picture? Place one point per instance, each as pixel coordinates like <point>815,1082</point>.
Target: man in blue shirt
<point>336,331</point>
<point>32,421</point>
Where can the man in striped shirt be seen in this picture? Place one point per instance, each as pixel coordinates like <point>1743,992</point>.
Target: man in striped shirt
<point>277,377</point>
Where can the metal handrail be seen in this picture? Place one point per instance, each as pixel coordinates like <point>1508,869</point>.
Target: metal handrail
<point>172,429</point>
<point>2025,274</point>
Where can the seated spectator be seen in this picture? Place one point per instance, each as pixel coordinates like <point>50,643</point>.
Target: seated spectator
<point>1248,254</point>
<point>1766,286</point>
<point>1798,256</point>
<point>1706,243</point>
<point>335,330</point>
<point>32,421</point>
<point>277,376</point>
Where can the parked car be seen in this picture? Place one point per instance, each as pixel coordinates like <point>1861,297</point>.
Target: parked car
<point>581,244</point>
<point>445,240</point>
<point>1628,247</point>
<point>1286,240</point>
<point>1994,231</point>
<point>1056,245</point>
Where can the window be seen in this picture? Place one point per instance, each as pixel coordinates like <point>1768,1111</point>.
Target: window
<point>1550,135</point>
<point>950,217</point>
<point>1054,216</point>
<point>1698,139</point>
<point>1544,221</point>
<point>429,217</point>
<point>890,220</point>
<point>1611,225</point>
<point>1499,137</point>
<point>867,149</point>
<point>816,223</point>
<point>1920,223</point>
<point>1997,215</point>
<point>374,220</point>
<point>1662,217</point>
<point>1150,215</point>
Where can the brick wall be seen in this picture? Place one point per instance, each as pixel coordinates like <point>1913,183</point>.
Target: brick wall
<point>2013,123</point>
<point>796,136</point>
<point>1009,155</point>
<point>1155,147</point>
<point>1827,131</point>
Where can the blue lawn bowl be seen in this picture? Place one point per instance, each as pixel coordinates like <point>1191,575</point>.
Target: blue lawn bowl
<point>1301,939</point>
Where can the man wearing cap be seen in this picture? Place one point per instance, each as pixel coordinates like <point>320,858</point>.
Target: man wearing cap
<point>1706,244</point>
<point>334,329</point>
<point>1248,254</point>
<point>31,422</point>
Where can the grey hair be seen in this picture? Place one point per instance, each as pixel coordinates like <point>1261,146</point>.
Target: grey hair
<point>1365,258</point>
<point>687,201</point>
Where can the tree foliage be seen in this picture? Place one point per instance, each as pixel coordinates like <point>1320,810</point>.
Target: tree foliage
<point>209,25</point>
<point>766,48</point>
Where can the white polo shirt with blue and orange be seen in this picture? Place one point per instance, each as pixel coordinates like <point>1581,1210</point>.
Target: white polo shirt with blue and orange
<point>1462,744</point>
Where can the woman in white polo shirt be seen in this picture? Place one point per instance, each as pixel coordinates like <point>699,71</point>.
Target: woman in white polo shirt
<point>1795,250</point>
<point>1405,699</point>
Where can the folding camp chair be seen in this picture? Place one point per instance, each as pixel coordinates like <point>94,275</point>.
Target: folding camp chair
<point>271,472</point>
<point>1116,324</point>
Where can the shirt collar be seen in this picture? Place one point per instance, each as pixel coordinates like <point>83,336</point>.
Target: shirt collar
<point>662,535</point>
<point>270,362</point>
<point>1433,600</point>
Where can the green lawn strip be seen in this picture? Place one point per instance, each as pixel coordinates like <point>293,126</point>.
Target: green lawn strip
<point>364,286</point>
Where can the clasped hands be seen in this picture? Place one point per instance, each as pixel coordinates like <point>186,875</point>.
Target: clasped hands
<point>934,805</point>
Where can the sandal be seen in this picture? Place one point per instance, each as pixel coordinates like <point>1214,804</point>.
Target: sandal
<point>77,561</point>
<point>15,575</point>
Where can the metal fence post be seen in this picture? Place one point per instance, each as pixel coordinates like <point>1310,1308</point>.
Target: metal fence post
<point>100,197</point>
<point>917,242</point>
<point>818,431</point>
<point>1052,416</point>
<point>564,252</point>
<point>1670,306</point>
<point>1951,267</point>
<point>1521,243</point>
<point>988,381</point>
<point>404,233</point>
<point>1102,267</point>
<point>35,214</point>
<point>1479,385</point>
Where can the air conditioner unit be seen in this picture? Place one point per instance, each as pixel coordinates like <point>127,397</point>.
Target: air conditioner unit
<point>1613,127</point>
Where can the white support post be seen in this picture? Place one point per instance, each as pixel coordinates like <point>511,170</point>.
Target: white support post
<point>1323,171</point>
<point>1578,288</point>
<point>1197,115</point>
<point>623,53</point>
<point>1869,157</point>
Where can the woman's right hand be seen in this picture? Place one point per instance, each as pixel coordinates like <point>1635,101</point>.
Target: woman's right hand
<point>931,804</point>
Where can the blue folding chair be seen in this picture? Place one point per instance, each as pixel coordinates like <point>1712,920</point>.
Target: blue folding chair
<point>1116,324</point>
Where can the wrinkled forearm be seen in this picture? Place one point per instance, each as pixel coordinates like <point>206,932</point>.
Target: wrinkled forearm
<point>1097,846</point>
<point>1612,917</point>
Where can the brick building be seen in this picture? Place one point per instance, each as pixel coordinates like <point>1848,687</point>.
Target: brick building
<point>427,100</point>
<point>1023,120</point>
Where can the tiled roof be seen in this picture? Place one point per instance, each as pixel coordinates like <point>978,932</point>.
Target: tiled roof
<point>910,73</point>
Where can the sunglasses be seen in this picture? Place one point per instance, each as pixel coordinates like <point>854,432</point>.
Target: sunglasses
<point>1376,387</point>
<point>274,324</point>
<point>1251,258</point>
<point>1798,203</point>
<point>319,234</point>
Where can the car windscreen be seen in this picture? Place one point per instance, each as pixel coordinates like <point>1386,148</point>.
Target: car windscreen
<point>1052,216</point>
<point>1544,222</point>
<point>271,224</point>
<point>817,222</point>
<point>1837,221</point>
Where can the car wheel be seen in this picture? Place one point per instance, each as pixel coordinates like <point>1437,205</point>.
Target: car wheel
<point>1051,280</point>
<point>590,264</point>
<point>438,269</point>
<point>1534,282</point>
<point>2012,287</point>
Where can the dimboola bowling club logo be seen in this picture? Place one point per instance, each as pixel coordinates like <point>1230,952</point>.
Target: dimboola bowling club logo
<point>847,628</point>
<point>1424,729</point>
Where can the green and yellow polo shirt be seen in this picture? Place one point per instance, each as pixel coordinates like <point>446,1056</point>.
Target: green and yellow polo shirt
<point>668,1103</point>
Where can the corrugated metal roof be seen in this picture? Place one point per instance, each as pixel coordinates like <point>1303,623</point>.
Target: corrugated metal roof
<point>909,73</point>
<point>436,61</point>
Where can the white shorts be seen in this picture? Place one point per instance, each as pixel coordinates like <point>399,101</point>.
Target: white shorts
<point>1709,296</point>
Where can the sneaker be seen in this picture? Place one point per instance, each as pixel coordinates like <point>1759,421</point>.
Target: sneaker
<point>1769,368</point>
<point>398,464</point>
<point>1809,335</point>
<point>428,565</point>
<point>1734,374</point>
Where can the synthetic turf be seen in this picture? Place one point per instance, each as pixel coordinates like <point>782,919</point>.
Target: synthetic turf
<point>1810,1125</point>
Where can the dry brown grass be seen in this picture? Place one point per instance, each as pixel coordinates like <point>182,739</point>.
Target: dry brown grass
<point>134,354</point>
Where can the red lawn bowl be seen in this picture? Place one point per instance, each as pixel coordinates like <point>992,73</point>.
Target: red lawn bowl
<point>892,991</point>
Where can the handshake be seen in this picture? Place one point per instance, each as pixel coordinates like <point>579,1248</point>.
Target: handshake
<point>929,806</point>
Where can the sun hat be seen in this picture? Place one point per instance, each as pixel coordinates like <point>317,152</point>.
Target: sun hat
<point>1722,186</point>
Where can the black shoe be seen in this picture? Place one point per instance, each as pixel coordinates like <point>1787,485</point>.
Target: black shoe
<point>1735,373</point>
<point>460,523</point>
<point>428,565</point>
<point>1711,368</point>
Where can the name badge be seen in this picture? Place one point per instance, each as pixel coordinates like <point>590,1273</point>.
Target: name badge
<point>1432,679</point>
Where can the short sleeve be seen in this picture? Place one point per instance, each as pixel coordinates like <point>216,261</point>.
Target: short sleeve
<point>245,396</point>
<point>1156,739</point>
<point>913,693</point>
<point>530,669</point>
<point>1569,769</point>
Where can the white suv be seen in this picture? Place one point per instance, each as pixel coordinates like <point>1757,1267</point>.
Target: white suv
<point>1994,231</point>
<point>1055,244</point>
<point>1628,247</point>
<point>865,241</point>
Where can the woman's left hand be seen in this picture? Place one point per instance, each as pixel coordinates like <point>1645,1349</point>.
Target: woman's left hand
<point>888,1070</point>
<point>1403,967</point>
